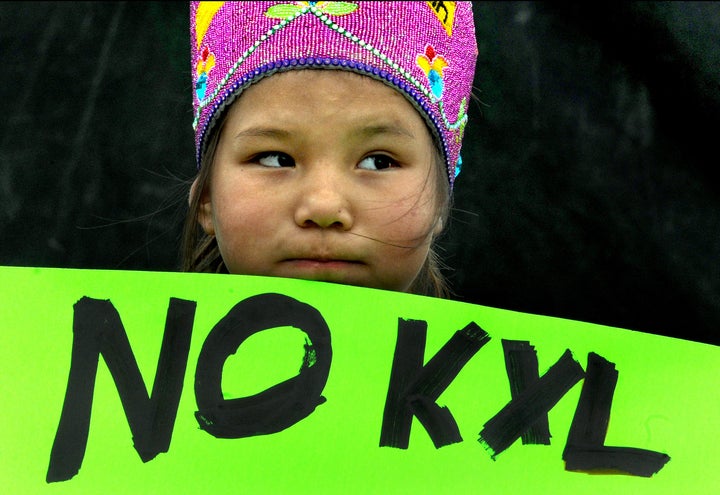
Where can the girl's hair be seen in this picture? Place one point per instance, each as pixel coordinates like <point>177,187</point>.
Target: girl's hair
<point>200,251</point>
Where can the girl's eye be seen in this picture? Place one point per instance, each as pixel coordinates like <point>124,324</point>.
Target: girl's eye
<point>377,162</point>
<point>274,159</point>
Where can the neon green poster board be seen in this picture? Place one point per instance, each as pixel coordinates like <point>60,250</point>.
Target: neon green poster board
<point>266,385</point>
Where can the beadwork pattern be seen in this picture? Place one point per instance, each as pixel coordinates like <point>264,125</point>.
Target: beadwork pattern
<point>415,47</point>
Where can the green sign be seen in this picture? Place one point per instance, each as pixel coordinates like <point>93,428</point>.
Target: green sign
<point>141,382</point>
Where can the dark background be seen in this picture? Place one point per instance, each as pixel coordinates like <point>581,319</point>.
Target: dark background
<point>588,190</point>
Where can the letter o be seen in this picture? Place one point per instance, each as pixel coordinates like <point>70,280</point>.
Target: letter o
<point>279,406</point>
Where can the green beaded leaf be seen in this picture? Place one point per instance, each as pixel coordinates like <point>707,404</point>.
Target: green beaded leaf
<point>283,11</point>
<point>463,104</point>
<point>339,8</point>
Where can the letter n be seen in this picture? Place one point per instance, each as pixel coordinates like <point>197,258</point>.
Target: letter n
<point>97,329</point>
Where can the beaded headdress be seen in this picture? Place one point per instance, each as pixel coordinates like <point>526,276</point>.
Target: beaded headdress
<point>425,50</point>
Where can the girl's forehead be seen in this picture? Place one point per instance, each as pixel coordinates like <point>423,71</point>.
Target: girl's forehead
<point>304,98</point>
<point>319,83</point>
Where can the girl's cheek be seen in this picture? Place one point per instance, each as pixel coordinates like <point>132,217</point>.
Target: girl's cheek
<point>414,227</point>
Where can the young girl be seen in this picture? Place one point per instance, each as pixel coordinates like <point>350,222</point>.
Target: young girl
<point>327,138</point>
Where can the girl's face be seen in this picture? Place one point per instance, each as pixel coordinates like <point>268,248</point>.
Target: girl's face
<point>323,175</point>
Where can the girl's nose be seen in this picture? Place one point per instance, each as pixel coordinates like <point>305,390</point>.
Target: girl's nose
<point>323,202</point>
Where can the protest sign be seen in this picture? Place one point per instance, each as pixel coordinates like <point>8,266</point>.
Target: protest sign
<point>143,382</point>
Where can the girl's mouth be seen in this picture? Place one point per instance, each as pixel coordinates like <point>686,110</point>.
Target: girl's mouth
<point>322,262</point>
<point>324,269</point>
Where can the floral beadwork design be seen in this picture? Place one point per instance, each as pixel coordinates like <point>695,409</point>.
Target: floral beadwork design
<point>205,64</point>
<point>433,64</point>
<point>285,10</point>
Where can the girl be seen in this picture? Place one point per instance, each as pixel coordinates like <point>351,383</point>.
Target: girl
<point>327,138</point>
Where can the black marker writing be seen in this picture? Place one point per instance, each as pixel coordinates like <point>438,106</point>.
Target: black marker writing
<point>414,388</point>
<point>97,330</point>
<point>585,449</point>
<point>524,410</point>
<point>521,364</point>
<point>280,406</point>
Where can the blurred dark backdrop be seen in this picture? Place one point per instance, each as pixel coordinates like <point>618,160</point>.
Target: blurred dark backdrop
<point>588,191</point>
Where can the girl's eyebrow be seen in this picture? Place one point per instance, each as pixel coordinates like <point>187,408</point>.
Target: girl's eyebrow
<point>267,132</point>
<point>376,130</point>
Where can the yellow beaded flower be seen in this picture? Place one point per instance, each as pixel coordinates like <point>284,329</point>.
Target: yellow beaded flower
<point>433,64</point>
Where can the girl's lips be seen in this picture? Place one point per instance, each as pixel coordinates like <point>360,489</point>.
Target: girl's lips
<point>322,262</point>
<point>324,269</point>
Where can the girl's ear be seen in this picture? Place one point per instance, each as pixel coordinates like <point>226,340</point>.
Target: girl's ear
<point>204,209</point>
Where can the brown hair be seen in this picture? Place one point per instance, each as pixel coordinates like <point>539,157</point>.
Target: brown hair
<point>200,251</point>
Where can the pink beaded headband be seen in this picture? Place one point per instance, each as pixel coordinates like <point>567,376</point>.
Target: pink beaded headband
<point>425,50</point>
